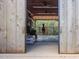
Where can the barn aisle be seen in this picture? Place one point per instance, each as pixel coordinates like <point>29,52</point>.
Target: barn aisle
<point>43,49</point>
<point>45,46</point>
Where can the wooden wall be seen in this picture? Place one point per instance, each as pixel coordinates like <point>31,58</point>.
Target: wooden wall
<point>12,25</point>
<point>69,26</point>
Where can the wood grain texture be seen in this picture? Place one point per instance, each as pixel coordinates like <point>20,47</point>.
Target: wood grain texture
<point>77,25</point>
<point>21,18</point>
<point>2,26</point>
<point>11,26</point>
<point>63,26</point>
<point>70,27</point>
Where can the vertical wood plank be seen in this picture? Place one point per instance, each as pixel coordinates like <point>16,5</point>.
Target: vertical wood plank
<point>2,26</point>
<point>21,17</point>
<point>77,25</point>
<point>70,25</point>
<point>70,29</point>
<point>63,25</point>
<point>74,31</point>
<point>11,26</point>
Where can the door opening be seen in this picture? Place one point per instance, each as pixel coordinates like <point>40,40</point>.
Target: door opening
<point>42,26</point>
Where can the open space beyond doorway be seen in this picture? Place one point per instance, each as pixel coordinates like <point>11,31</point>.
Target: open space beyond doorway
<point>42,27</point>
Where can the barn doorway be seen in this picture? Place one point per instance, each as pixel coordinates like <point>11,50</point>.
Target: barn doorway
<point>42,33</point>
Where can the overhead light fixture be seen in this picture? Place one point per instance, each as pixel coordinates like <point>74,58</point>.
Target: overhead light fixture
<point>44,7</point>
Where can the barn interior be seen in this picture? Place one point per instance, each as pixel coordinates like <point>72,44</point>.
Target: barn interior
<point>42,26</point>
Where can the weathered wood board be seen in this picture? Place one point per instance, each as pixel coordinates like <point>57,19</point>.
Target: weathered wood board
<point>70,27</point>
<point>21,20</point>
<point>77,25</point>
<point>2,26</point>
<point>63,25</point>
<point>11,26</point>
